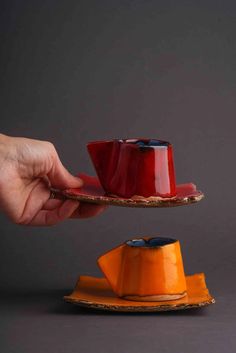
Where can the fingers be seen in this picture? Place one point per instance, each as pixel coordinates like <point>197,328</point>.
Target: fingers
<point>87,210</point>
<point>55,211</point>
<point>49,217</point>
<point>40,210</point>
<point>51,204</point>
<point>59,176</point>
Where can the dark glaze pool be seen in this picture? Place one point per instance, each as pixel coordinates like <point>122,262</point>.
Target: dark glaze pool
<point>151,242</point>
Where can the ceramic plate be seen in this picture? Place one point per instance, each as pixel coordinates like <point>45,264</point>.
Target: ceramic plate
<point>96,293</point>
<point>93,192</point>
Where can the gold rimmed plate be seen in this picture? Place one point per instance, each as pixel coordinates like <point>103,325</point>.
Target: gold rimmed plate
<point>96,293</point>
<point>93,192</point>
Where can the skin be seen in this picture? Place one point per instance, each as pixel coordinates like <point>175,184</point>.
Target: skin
<point>27,170</point>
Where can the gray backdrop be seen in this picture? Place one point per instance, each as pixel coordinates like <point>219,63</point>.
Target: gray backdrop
<point>74,71</point>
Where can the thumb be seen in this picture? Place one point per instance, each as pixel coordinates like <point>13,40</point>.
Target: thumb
<point>60,178</point>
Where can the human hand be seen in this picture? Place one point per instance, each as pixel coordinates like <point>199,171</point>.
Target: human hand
<point>27,170</point>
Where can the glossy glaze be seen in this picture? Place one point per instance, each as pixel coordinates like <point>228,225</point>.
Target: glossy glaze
<point>145,267</point>
<point>96,293</point>
<point>93,192</point>
<point>134,167</point>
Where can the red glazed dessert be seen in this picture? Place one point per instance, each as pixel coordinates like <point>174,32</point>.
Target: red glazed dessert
<point>134,167</point>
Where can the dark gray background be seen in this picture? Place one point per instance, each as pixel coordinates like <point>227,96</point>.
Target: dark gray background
<point>74,71</point>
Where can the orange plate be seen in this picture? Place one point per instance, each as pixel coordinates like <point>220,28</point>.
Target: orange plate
<point>96,293</point>
<point>93,192</point>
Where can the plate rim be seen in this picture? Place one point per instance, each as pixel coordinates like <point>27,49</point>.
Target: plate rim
<point>140,308</point>
<point>129,202</point>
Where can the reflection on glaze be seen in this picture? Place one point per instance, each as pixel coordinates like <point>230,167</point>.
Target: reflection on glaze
<point>145,267</point>
<point>130,167</point>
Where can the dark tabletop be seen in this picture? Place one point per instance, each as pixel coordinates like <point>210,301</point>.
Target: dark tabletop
<point>39,321</point>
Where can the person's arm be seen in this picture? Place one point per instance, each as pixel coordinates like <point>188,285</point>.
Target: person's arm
<point>27,169</point>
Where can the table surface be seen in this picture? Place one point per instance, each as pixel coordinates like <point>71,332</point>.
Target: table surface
<point>40,321</point>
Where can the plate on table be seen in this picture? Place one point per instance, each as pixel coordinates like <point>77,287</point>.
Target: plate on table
<point>96,293</point>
